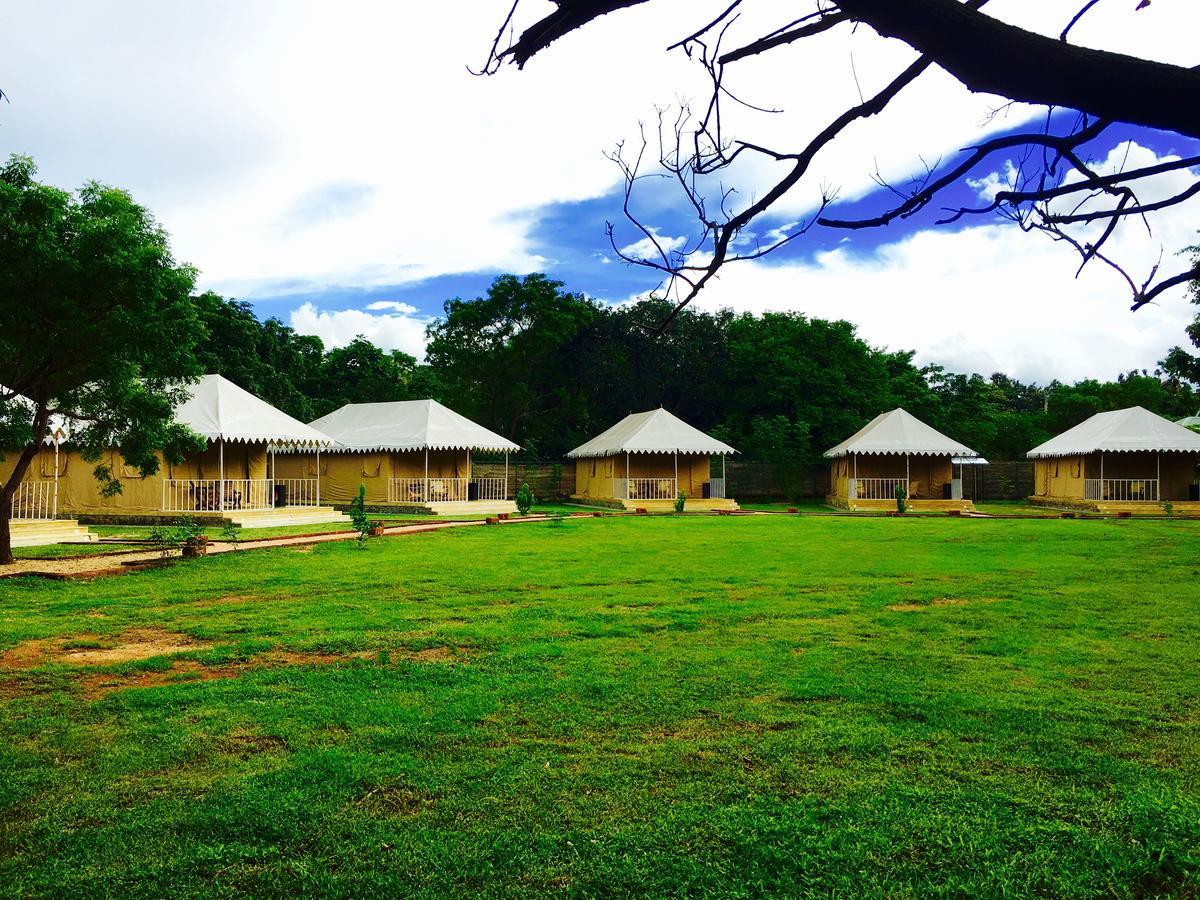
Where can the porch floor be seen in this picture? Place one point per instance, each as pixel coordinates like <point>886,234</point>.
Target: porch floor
<point>42,532</point>
<point>1111,507</point>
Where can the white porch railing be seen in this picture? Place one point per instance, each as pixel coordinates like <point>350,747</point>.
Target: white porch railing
<point>207,494</point>
<point>436,489</point>
<point>295,492</point>
<point>644,488</point>
<point>876,488</point>
<point>491,489</point>
<point>1121,490</point>
<point>716,488</point>
<point>33,500</point>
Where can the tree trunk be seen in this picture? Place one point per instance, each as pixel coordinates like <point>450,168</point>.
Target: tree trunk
<point>40,420</point>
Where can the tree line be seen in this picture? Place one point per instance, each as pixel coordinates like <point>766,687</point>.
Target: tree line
<point>551,368</point>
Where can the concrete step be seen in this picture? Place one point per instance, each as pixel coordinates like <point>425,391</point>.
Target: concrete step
<point>49,531</point>
<point>288,515</point>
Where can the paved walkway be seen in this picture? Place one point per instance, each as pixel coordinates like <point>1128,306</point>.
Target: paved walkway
<point>120,563</point>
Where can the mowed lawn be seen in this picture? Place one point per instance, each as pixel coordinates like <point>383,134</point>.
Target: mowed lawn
<point>735,706</point>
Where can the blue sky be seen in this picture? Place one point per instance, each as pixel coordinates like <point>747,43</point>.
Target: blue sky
<point>343,171</point>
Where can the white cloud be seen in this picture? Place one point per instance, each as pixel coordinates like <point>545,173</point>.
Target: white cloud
<point>649,248</point>
<point>397,331</point>
<point>994,182</point>
<point>992,297</point>
<point>393,306</point>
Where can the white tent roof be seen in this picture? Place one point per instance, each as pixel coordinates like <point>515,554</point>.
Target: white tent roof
<point>899,431</point>
<point>1124,430</point>
<point>1190,421</point>
<point>218,409</point>
<point>969,461</point>
<point>407,425</point>
<point>656,431</point>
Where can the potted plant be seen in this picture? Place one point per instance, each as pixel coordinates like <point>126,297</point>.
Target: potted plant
<point>377,529</point>
<point>195,545</point>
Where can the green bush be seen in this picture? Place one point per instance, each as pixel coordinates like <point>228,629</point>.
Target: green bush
<point>680,501</point>
<point>231,532</point>
<point>358,515</point>
<point>524,500</point>
<point>901,498</point>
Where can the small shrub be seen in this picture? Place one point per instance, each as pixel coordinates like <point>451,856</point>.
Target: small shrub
<point>189,536</point>
<point>681,501</point>
<point>1169,509</point>
<point>1005,487</point>
<point>556,521</point>
<point>162,540</point>
<point>231,532</point>
<point>524,500</point>
<point>358,515</point>
<point>901,498</point>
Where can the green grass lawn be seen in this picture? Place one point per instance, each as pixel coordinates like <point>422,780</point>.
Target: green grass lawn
<point>655,705</point>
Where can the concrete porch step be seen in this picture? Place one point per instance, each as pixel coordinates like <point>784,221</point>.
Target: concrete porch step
<point>41,533</point>
<point>287,515</point>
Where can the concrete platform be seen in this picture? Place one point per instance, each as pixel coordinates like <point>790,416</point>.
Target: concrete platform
<point>42,532</point>
<point>1188,508</point>
<point>447,508</point>
<point>915,505</point>
<point>287,515</point>
<point>693,504</point>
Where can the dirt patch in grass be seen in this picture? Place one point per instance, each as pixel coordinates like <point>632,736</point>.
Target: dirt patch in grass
<point>183,671</point>
<point>93,650</point>
<point>396,800</point>
<point>134,646</point>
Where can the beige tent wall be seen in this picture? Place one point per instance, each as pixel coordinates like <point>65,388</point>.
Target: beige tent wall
<point>342,473</point>
<point>1060,476</point>
<point>927,474</point>
<point>594,476</point>
<point>79,492</point>
<point>1063,476</point>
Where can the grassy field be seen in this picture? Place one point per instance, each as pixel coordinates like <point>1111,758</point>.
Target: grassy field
<point>736,706</point>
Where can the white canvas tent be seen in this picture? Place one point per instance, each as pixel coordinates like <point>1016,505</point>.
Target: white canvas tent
<point>897,433</point>
<point>420,450</point>
<point>1121,431</point>
<point>638,459</point>
<point>221,412</point>
<point>1190,421</point>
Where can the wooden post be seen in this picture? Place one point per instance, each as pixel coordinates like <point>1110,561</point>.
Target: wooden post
<point>425,496</point>
<point>318,474</point>
<point>505,474</point>
<point>907,478</point>
<point>221,483</point>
